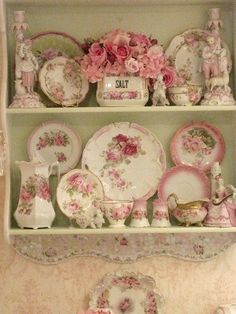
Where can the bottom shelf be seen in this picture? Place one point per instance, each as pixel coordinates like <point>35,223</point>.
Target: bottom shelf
<point>128,230</point>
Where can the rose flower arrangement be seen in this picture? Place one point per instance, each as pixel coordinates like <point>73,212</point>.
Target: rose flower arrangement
<point>126,53</point>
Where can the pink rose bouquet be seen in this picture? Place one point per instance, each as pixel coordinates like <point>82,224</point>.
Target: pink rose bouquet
<point>125,53</point>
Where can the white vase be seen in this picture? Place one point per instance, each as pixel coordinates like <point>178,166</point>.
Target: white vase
<point>122,91</point>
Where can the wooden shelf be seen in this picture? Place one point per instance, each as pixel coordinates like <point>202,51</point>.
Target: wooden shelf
<point>12,111</point>
<point>128,230</point>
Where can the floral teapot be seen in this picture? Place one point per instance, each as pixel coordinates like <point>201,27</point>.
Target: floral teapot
<point>35,209</point>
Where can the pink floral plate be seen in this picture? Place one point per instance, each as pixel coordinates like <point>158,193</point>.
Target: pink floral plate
<point>127,158</point>
<point>185,53</point>
<point>187,182</point>
<point>78,195</point>
<point>55,141</point>
<point>62,81</point>
<point>50,44</point>
<point>198,144</point>
<point>126,293</point>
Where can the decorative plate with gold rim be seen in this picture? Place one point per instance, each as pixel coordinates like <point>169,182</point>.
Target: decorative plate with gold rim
<point>62,81</point>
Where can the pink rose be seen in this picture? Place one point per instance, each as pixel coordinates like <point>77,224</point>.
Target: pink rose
<point>132,65</point>
<point>121,52</point>
<point>59,140</point>
<point>117,37</point>
<point>130,149</point>
<point>25,196</point>
<point>97,54</point>
<point>121,138</point>
<point>44,192</point>
<point>169,76</point>
<point>139,40</point>
<point>42,143</point>
<point>73,206</point>
<point>113,155</point>
<point>75,180</point>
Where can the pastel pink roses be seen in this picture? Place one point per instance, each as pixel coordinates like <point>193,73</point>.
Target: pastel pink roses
<point>123,53</point>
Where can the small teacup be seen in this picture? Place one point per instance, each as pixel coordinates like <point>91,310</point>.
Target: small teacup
<point>186,95</point>
<point>116,212</point>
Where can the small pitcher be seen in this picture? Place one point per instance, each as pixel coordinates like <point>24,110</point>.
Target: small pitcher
<point>160,214</point>
<point>139,214</point>
<point>35,209</point>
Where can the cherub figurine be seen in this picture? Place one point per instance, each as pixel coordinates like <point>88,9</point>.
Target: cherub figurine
<point>26,68</point>
<point>159,94</point>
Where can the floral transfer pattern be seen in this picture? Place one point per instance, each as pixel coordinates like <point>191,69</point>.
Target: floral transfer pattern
<point>53,138</point>
<point>119,95</point>
<point>198,142</point>
<point>36,185</point>
<point>120,150</point>
<point>79,183</point>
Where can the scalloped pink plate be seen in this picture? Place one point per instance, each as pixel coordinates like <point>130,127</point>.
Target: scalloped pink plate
<point>198,144</point>
<point>187,182</point>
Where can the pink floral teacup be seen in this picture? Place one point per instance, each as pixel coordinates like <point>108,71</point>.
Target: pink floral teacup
<point>117,212</point>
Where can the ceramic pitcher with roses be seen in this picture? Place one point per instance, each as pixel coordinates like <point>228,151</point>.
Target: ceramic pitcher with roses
<point>35,209</point>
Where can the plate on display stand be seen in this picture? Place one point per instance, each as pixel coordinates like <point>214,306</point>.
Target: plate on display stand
<point>55,141</point>
<point>127,158</point>
<point>78,194</point>
<point>50,44</point>
<point>185,53</point>
<point>131,293</point>
<point>62,81</point>
<point>198,144</point>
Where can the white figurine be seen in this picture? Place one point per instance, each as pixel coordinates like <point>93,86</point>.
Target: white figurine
<point>26,68</point>
<point>159,94</point>
<point>215,65</point>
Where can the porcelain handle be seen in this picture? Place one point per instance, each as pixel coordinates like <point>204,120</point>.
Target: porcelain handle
<point>55,166</point>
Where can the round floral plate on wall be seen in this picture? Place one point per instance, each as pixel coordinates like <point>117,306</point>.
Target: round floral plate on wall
<point>185,53</point>
<point>55,141</point>
<point>50,44</point>
<point>198,144</point>
<point>187,182</point>
<point>129,293</point>
<point>127,158</point>
<point>77,196</point>
<point>62,81</point>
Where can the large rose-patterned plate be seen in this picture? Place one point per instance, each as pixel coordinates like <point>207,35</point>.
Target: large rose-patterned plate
<point>127,158</point>
<point>130,293</point>
<point>62,81</point>
<point>198,144</point>
<point>55,141</point>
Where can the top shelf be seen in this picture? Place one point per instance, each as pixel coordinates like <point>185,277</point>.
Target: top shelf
<point>117,3</point>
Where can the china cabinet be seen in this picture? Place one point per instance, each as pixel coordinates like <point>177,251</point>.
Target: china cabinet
<point>163,19</point>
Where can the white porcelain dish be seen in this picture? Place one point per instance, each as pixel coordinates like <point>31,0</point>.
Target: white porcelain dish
<point>187,182</point>
<point>128,159</point>
<point>62,81</point>
<point>78,196</point>
<point>55,141</point>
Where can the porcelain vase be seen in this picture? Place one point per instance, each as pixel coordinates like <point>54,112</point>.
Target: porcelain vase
<point>35,209</point>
